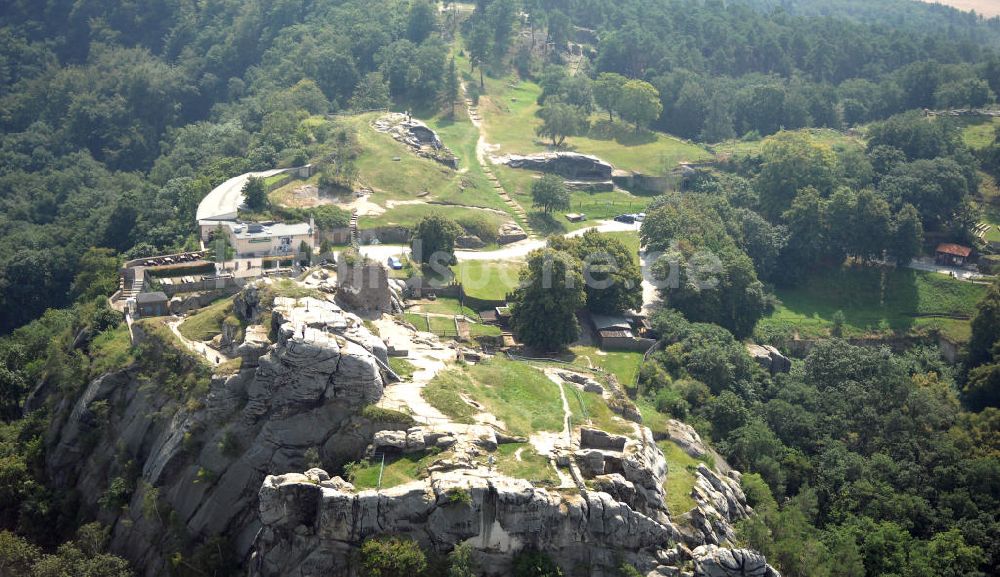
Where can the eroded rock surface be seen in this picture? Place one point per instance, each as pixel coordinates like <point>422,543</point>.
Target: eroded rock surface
<point>570,165</point>
<point>199,464</point>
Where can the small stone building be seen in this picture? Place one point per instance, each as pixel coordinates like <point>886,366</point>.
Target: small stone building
<point>154,304</point>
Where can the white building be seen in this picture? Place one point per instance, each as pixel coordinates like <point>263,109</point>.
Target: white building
<point>277,239</point>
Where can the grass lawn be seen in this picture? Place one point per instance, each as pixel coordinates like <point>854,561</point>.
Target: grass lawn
<point>407,215</point>
<point>596,205</point>
<point>481,330</point>
<point>680,478</point>
<point>630,239</point>
<point>991,212</point>
<point>832,138</point>
<point>907,303</point>
<point>590,408</point>
<point>488,279</point>
<point>206,323</point>
<point>402,367</point>
<point>443,305</point>
<point>111,350</point>
<point>509,110</point>
<point>398,470</point>
<point>531,466</point>
<point>268,181</point>
<point>518,394</point>
<point>411,175</point>
<point>623,364</point>
<point>979,132</point>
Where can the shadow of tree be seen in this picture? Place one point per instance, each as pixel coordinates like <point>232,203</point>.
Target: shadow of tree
<point>621,133</point>
<point>545,224</point>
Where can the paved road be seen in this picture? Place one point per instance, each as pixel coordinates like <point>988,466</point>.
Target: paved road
<point>224,200</point>
<point>959,273</point>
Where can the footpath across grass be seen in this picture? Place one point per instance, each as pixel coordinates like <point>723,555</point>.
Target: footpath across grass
<point>875,301</point>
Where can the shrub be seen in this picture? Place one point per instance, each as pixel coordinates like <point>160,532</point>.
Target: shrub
<point>535,564</point>
<point>670,401</point>
<point>460,496</point>
<point>377,414</point>
<point>392,557</point>
<point>461,563</point>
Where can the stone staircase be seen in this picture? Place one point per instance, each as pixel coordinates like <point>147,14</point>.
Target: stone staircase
<point>355,238</point>
<point>515,206</point>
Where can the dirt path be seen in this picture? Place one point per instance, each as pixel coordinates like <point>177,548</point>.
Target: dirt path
<point>213,356</point>
<point>428,356</point>
<point>482,156</point>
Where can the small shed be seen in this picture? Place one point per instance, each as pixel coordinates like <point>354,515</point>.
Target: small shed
<point>948,254</point>
<point>154,304</point>
<point>576,217</point>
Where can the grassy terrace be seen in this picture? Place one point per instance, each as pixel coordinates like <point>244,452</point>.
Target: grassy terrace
<point>680,478</point>
<point>518,394</point>
<point>509,109</point>
<point>111,350</point>
<point>876,301</point>
<point>410,175</point>
<point>206,323</point>
<point>398,471</point>
<point>486,279</point>
<point>597,205</point>
<point>407,215</point>
<point>623,364</point>
<point>530,466</point>
<point>979,132</point>
<point>832,138</point>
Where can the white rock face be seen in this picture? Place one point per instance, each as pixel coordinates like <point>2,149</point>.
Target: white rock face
<point>712,561</point>
<point>304,523</point>
<point>207,460</point>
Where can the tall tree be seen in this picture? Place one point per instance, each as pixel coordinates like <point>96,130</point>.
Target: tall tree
<point>543,314</point>
<point>640,103</point>
<point>451,88</point>
<point>608,92</point>
<point>422,21</point>
<point>560,120</point>
<point>255,194</point>
<point>549,193</point>
<point>434,240</point>
<point>907,235</point>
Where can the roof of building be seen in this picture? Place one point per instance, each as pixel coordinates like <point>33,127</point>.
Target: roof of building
<point>269,230</point>
<point>489,316</point>
<point>954,249</point>
<point>153,297</point>
<point>616,334</point>
<point>224,201</point>
<point>610,322</point>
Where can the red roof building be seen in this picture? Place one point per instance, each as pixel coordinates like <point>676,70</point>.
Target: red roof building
<point>952,254</point>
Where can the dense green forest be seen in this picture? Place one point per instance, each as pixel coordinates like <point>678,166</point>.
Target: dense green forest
<point>118,117</point>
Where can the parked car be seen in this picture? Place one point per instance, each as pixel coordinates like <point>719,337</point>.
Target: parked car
<point>625,218</point>
<point>394,263</point>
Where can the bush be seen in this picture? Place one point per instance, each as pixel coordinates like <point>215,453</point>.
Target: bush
<point>481,226</point>
<point>392,557</point>
<point>535,564</point>
<point>377,414</point>
<point>670,401</point>
<point>461,563</point>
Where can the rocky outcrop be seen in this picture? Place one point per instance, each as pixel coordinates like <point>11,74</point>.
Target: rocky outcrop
<point>510,232</point>
<point>194,462</point>
<point>468,241</point>
<point>312,530</point>
<point>570,165</point>
<point>719,503</point>
<point>713,561</point>
<point>364,286</point>
<point>417,136</point>
<point>769,358</point>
